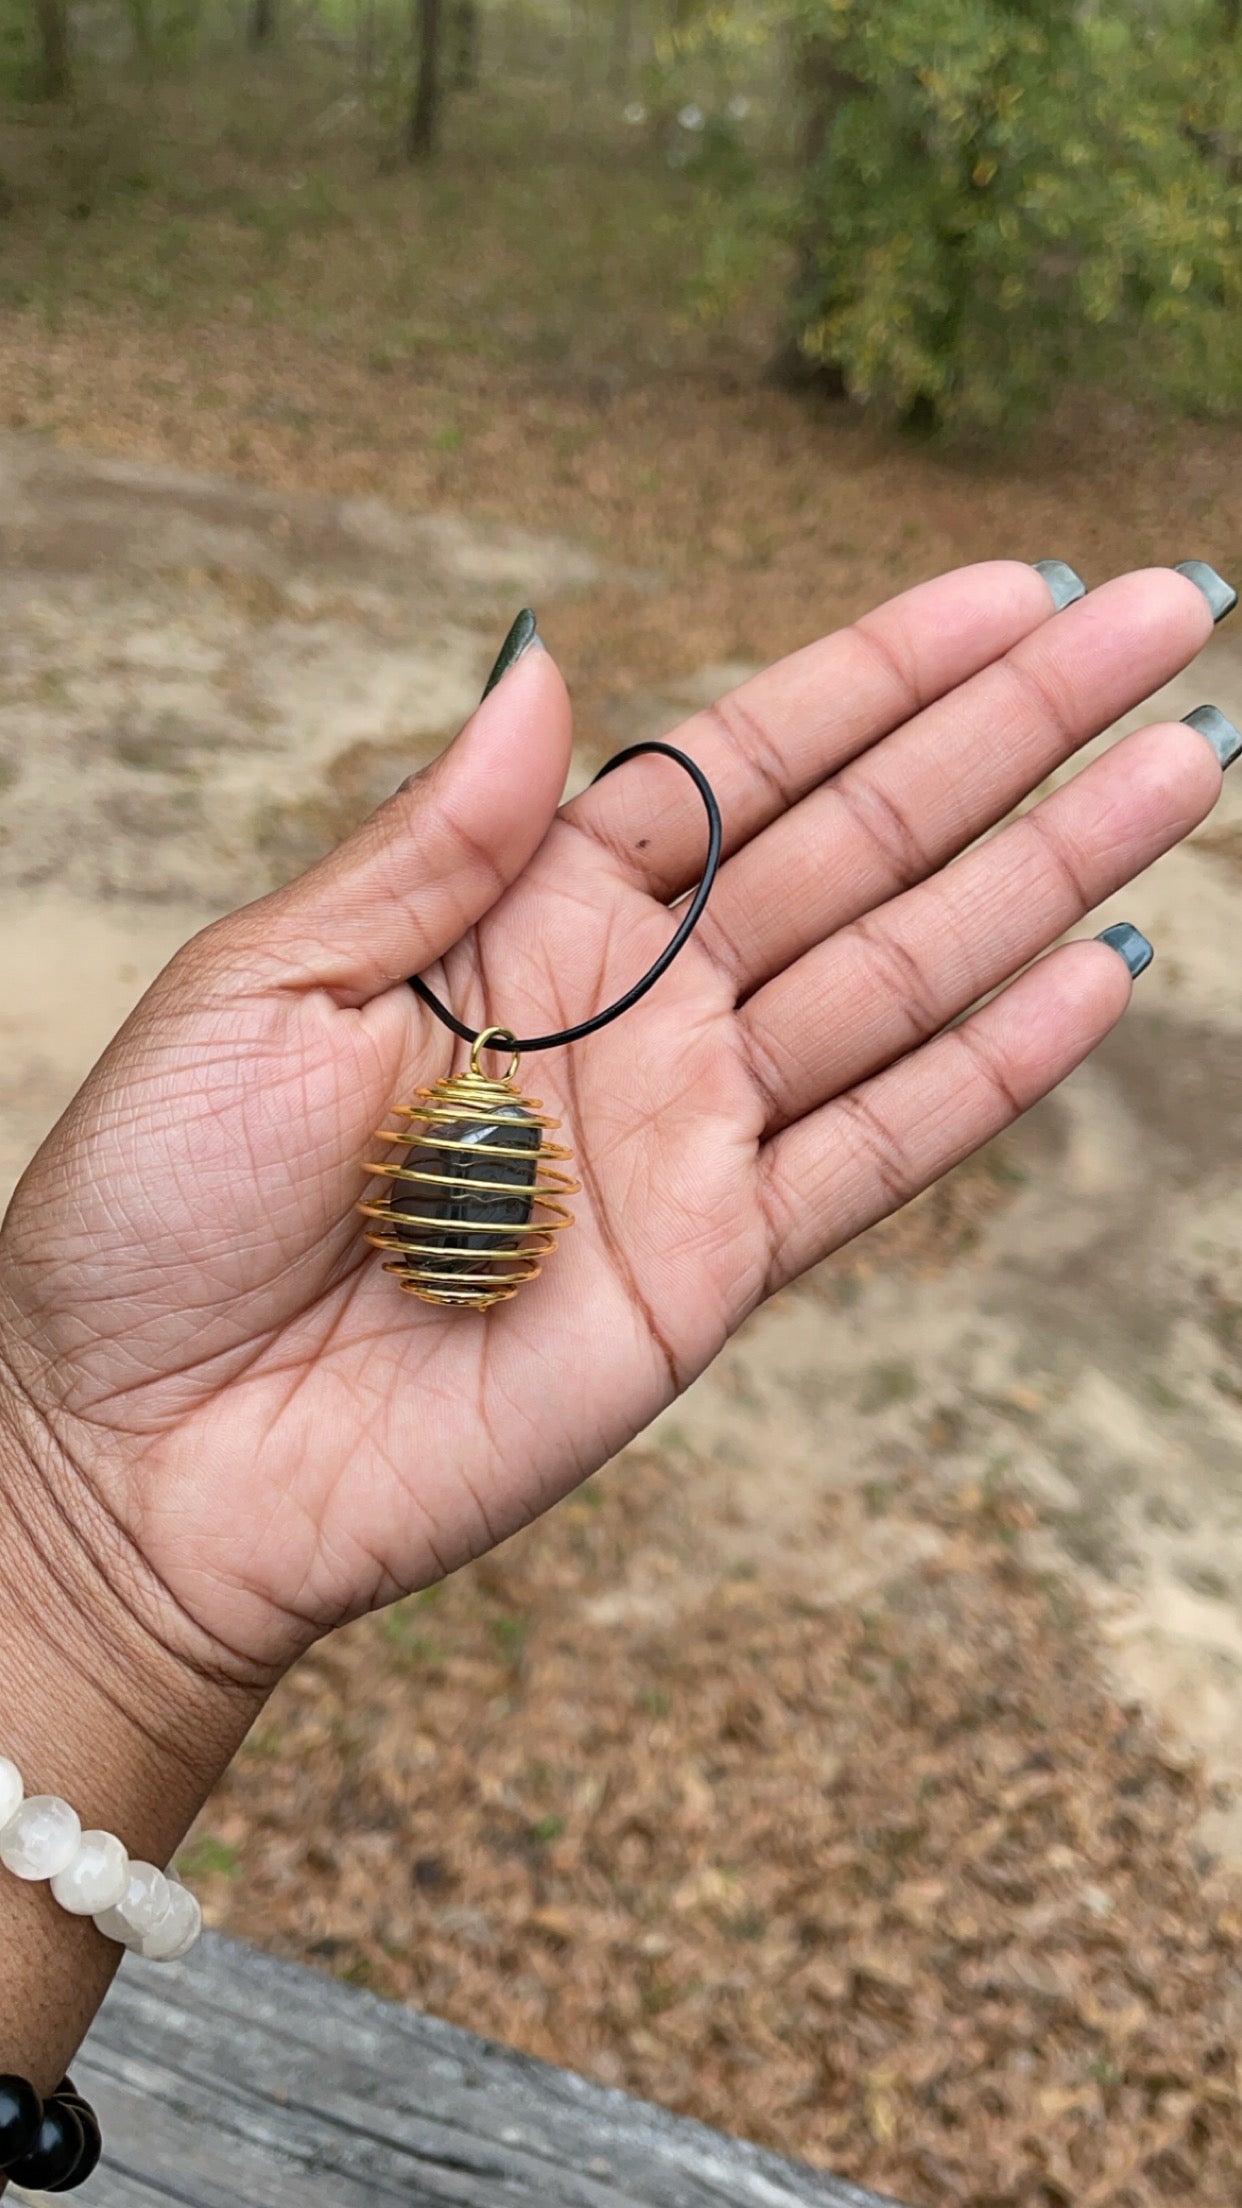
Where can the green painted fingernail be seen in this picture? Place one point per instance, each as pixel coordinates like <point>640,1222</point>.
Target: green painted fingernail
<point>521,636</point>
<point>1129,943</point>
<point>1064,581</point>
<point>1224,738</point>
<point>1221,596</point>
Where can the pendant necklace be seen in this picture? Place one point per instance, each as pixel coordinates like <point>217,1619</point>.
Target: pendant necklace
<point>475,1201</point>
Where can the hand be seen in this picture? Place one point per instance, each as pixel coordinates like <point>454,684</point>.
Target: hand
<point>247,1418</point>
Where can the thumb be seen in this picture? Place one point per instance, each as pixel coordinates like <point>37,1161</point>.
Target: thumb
<point>413,878</point>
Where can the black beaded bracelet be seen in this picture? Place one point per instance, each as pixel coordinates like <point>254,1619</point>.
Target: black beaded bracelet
<point>50,2145</point>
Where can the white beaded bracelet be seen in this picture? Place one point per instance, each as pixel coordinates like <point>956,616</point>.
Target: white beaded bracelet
<point>91,1875</point>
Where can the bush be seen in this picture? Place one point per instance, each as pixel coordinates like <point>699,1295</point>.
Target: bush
<point>998,195</point>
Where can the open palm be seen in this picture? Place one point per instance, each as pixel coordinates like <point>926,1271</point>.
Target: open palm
<point>282,1438</point>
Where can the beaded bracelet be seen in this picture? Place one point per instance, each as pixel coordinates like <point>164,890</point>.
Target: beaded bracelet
<point>91,1875</point>
<point>49,2145</point>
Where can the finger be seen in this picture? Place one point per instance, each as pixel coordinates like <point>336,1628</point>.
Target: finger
<point>413,878</point>
<point>897,813</point>
<point>855,1160</point>
<point>775,737</point>
<point>881,987</point>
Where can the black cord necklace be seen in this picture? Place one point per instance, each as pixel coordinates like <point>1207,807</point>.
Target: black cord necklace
<point>457,1214</point>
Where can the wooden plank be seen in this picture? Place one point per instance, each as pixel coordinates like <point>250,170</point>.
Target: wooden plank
<point>236,2079</point>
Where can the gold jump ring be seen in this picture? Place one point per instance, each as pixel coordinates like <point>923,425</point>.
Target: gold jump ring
<point>484,1041</point>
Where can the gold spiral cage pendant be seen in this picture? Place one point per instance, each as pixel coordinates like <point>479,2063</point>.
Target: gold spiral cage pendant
<point>475,1203</point>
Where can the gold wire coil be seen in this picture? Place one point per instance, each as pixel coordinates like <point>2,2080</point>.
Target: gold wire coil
<point>458,1236</point>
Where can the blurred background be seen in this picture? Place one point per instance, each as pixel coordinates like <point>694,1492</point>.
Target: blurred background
<point>854,1765</point>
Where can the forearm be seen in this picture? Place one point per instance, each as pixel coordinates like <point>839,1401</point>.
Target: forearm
<point>96,1705</point>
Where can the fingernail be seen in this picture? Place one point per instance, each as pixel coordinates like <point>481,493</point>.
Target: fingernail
<point>1224,738</point>
<point>1221,596</point>
<point>1063,581</point>
<point>1130,944</point>
<point>521,636</point>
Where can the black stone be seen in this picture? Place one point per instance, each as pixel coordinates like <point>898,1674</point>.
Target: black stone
<point>21,2113</point>
<point>455,1224</point>
<point>57,2152</point>
<point>92,2148</point>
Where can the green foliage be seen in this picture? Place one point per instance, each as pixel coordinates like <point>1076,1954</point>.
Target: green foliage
<point>1003,194</point>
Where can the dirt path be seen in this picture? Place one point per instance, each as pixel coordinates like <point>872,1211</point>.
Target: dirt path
<point>202,685</point>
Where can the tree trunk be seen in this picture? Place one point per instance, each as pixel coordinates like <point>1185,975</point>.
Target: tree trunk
<point>364,41</point>
<point>55,71</point>
<point>423,130</point>
<point>262,22</point>
<point>823,88</point>
<point>621,49</point>
<point>144,39</point>
<point>466,45</point>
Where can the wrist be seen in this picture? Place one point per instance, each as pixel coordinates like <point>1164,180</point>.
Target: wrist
<point>102,1676</point>
<point>102,1704</point>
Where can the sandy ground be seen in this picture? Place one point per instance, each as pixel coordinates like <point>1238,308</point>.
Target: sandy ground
<point>201,685</point>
